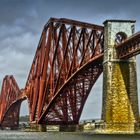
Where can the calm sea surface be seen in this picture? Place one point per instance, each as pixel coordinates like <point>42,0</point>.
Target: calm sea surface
<point>17,135</point>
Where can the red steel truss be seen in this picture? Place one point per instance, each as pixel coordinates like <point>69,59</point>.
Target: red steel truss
<point>130,47</point>
<point>9,108</point>
<point>67,63</point>
<point>65,48</point>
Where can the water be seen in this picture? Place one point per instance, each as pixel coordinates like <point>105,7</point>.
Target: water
<point>18,135</point>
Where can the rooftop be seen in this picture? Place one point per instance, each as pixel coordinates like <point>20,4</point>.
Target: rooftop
<point>119,20</point>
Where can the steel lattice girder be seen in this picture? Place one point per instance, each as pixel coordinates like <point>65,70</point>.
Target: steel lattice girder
<point>65,46</point>
<point>66,65</point>
<point>130,47</point>
<point>68,103</point>
<point>10,93</point>
<point>11,116</point>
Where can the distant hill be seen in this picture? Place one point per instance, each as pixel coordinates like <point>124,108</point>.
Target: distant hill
<point>24,118</point>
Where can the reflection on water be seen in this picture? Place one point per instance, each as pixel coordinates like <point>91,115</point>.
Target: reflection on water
<point>18,135</point>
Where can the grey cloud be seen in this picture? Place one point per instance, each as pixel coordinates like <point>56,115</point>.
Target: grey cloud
<point>25,43</point>
<point>12,9</point>
<point>43,9</point>
<point>17,39</point>
<point>16,64</point>
<point>32,15</point>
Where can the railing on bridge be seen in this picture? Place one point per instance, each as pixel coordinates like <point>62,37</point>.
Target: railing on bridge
<point>129,47</point>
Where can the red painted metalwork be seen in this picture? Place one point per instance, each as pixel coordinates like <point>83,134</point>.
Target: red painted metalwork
<point>129,47</point>
<point>10,93</point>
<point>11,116</point>
<point>67,63</point>
<point>65,48</point>
<point>67,105</point>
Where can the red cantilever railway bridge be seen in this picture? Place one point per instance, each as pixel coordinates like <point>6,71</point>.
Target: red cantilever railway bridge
<point>67,63</point>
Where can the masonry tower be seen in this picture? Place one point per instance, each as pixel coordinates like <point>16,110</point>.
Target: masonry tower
<point>120,100</point>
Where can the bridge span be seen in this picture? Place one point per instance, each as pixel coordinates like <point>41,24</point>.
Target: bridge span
<point>70,57</point>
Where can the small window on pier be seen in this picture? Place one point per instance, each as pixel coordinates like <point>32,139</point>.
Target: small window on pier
<point>120,37</point>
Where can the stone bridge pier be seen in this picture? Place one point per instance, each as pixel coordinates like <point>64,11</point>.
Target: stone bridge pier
<point>120,100</point>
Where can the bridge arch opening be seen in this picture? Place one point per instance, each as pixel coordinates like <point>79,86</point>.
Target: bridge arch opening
<point>24,113</point>
<point>120,37</point>
<point>93,106</point>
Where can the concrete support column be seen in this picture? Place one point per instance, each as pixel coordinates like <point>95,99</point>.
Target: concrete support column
<point>38,127</point>
<point>120,100</point>
<point>42,128</point>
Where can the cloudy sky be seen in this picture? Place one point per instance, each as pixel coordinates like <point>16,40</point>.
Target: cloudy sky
<point>21,24</point>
